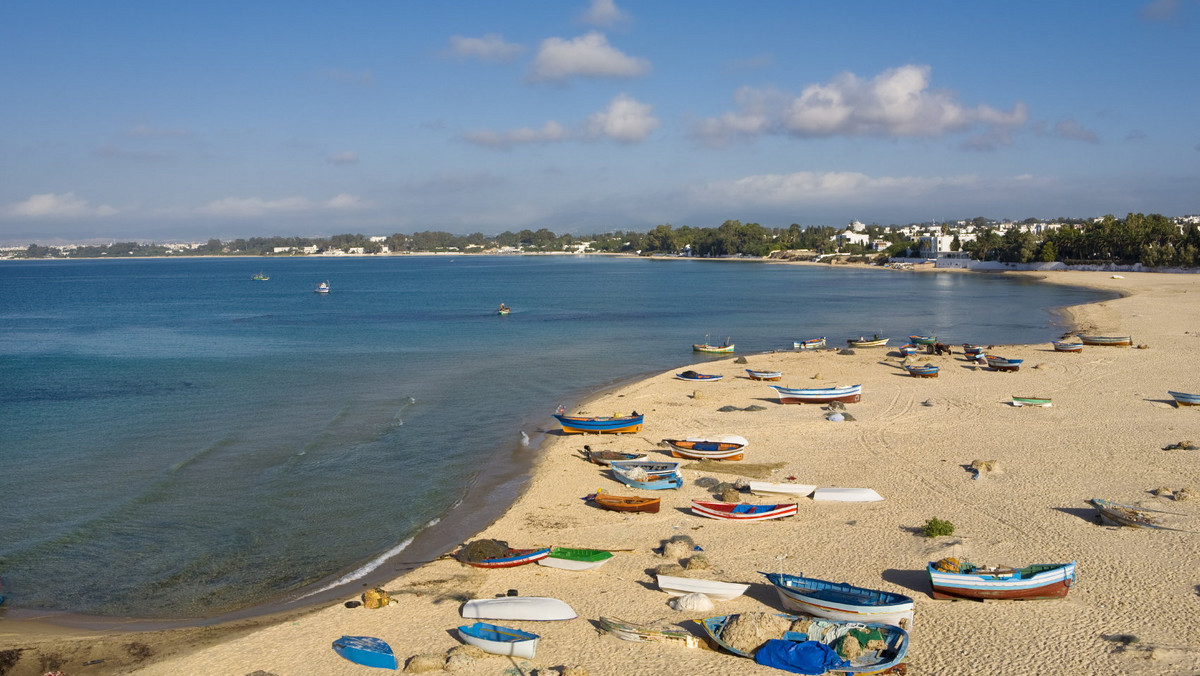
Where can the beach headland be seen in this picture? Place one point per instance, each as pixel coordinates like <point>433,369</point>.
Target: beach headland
<point>1132,611</point>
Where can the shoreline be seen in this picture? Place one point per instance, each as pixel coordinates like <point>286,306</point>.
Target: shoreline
<point>523,521</point>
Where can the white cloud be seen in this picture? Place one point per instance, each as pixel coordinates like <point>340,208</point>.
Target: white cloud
<point>51,205</point>
<point>604,13</point>
<point>490,47</point>
<point>344,157</point>
<point>896,103</point>
<point>550,132</point>
<point>238,207</point>
<point>625,119</point>
<point>1072,131</point>
<point>589,55</point>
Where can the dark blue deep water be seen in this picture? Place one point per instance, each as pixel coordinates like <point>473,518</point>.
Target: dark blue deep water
<point>177,440</point>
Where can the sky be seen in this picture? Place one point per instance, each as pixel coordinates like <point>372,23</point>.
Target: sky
<point>183,121</point>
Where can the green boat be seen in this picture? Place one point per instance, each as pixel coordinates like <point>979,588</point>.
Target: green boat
<point>1031,401</point>
<point>260,277</point>
<point>569,558</point>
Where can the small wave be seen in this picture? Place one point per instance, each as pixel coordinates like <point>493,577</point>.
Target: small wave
<point>370,566</point>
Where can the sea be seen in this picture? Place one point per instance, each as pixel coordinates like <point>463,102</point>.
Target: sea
<point>181,441</point>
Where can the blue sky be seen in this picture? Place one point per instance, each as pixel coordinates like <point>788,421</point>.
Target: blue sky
<point>182,121</point>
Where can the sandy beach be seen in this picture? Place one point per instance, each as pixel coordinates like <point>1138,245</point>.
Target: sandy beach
<point>1134,610</point>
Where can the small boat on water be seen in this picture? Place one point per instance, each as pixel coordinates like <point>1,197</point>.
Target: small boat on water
<point>367,651</point>
<point>793,490</point>
<point>922,370</point>
<point>728,447</point>
<point>923,340</point>
<point>1115,514</point>
<point>1185,399</point>
<point>707,347</point>
<point>842,601</point>
<point>810,344</point>
<point>323,287</point>
<point>569,558</point>
<point>604,458</point>
<point>497,640</point>
<point>511,558</point>
<point>997,363</point>
<point>1043,402</point>
<point>1107,340</point>
<point>618,424</point>
<point>1060,346</point>
<point>878,647</point>
<point>532,608</point>
<point>868,342</point>
<point>260,277</point>
<point>849,394</point>
<point>698,377</point>
<point>713,589</point>
<point>954,579</point>
<point>741,511</point>
<point>624,503</point>
<point>640,633</point>
<point>764,375</point>
<point>503,310</point>
<point>846,495</point>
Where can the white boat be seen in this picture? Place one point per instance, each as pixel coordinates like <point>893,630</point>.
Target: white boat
<point>323,287</point>
<point>768,488</point>
<point>717,591</point>
<point>847,495</point>
<point>536,608</point>
<point>497,640</point>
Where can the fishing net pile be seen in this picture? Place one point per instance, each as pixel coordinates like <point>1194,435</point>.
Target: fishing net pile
<point>948,565</point>
<point>748,631</point>
<point>481,550</point>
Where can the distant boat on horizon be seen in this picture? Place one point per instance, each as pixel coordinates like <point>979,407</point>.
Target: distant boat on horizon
<point>323,287</point>
<point>260,277</point>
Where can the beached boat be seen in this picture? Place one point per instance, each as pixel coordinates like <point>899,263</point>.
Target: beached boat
<point>908,349</point>
<point>728,447</point>
<point>569,558</point>
<point>698,377</point>
<point>640,633</point>
<point>923,340</point>
<point>606,457</point>
<point>646,475</point>
<point>651,467</point>
<point>1107,340</point>
<point>620,424</point>
<point>822,395</point>
<point>972,351</point>
<point>842,601</point>
<point>1185,399</point>
<point>769,488</point>
<point>713,589</point>
<point>323,287</point>
<point>1060,346</point>
<point>1115,514</point>
<point>532,608</point>
<point>922,370</point>
<point>868,342</point>
<point>513,557</point>
<point>626,503</point>
<point>997,363</point>
<point>741,511</point>
<point>846,495</point>
<point>764,375</point>
<point>724,348</point>
<point>367,651</point>
<point>788,652</point>
<point>260,277</point>
<point>1043,402</point>
<point>810,344</point>
<point>497,640</point>
<point>954,579</point>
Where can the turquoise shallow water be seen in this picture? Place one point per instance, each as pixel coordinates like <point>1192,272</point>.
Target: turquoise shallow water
<point>180,441</point>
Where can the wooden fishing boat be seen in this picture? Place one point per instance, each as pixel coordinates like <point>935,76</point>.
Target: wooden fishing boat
<point>972,351</point>
<point>1185,399</point>
<point>922,371</point>
<point>764,375</point>
<point>1115,514</point>
<point>606,457</point>
<point>769,488</point>
<point>728,447</point>
<point>774,652</point>
<point>511,558</point>
<point>569,558</point>
<point>726,348</point>
<point>865,342</point>
<point>846,495</point>
<point>623,503</point>
<point>1002,364</point>
<point>810,344</point>
<point>741,511</point>
<point>629,631</point>
<point>621,424</point>
<point>909,349</point>
<point>367,651</point>
<point>1060,346</point>
<point>698,377</point>
<point>923,340</point>
<point>647,475</point>
<point>497,640</point>
<point>713,589</point>
<point>1043,402</point>
<point>849,394</point>
<point>1107,340</point>
<point>954,579</point>
<point>652,467</point>
<point>842,601</point>
<point>532,608</point>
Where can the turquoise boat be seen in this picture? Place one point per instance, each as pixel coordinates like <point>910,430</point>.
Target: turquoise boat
<point>366,650</point>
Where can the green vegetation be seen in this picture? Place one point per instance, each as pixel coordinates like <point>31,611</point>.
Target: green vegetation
<point>936,527</point>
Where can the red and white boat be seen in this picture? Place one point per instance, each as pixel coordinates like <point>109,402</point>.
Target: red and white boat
<point>513,557</point>
<point>740,511</point>
<point>849,394</point>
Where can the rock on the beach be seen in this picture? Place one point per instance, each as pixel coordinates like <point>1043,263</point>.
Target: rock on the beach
<point>462,659</point>
<point>425,663</point>
<point>694,602</point>
<point>1185,493</point>
<point>742,483</point>
<point>731,494</point>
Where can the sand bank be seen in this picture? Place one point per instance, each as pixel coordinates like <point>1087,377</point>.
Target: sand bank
<point>910,440</point>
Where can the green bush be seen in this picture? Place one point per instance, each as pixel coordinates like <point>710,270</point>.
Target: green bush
<point>936,527</point>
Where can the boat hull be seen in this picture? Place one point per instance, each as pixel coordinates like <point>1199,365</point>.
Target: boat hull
<point>1185,399</point>
<point>713,589</point>
<point>705,449</point>
<point>531,608</point>
<point>629,631</point>
<point>1033,582</point>
<point>794,490</point>
<point>712,349</point>
<point>565,558</point>
<point>621,503</point>
<point>922,371</point>
<point>516,557</point>
<point>811,344</point>
<point>881,342</point>
<point>1002,364</point>
<point>847,395</point>
<point>366,650</point>
<point>1067,347</point>
<point>729,511</point>
<point>600,425</point>
<point>605,458</point>
<point>841,601</point>
<point>1032,401</point>
<point>497,640</point>
<point>1117,341</point>
<point>846,495</point>
<point>764,375</point>
<point>827,632</point>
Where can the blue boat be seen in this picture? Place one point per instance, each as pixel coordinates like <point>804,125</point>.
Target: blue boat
<point>639,475</point>
<point>366,650</point>
<point>922,371</point>
<point>841,600</point>
<point>692,375</point>
<point>1002,364</point>
<point>826,632</point>
<point>622,424</point>
<point>497,640</point>
<point>1185,399</point>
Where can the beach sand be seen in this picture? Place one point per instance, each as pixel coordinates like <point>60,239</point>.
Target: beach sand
<point>1135,608</point>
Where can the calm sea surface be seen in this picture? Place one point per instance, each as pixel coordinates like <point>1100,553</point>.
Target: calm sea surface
<point>177,440</point>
